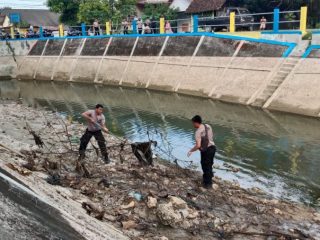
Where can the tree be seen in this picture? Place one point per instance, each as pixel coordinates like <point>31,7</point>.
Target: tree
<point>67,8</point>
<point>290,17</point>
<point>122,9</point>
<point>76,11</point>
<point>159,10</point>
<point>89,10</point>
<point>314,13</point>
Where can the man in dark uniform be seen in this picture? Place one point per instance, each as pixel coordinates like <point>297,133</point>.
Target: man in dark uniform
<point>96,124</point>
<point>207,148</point>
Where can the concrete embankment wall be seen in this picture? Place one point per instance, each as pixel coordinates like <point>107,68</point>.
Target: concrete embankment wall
<point>300,92</point>
<point>11,55</point>
<point>231,69</point>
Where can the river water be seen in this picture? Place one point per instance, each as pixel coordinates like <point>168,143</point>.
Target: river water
<point>276,152</point>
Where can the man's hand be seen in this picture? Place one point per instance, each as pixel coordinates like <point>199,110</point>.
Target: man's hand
<point>189,154</point>
<point>106,130</point>
<point>91,120</point>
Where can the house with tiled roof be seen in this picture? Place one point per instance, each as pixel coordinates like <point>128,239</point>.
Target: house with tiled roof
<point>34,17</point>
<point>204,7</point>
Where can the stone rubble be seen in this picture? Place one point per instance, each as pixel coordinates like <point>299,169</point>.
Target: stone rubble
<point>162,201</point>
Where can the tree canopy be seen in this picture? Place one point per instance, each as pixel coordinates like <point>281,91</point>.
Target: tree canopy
<point>90,10</point>
<point>76,11</point>
<point>159,10</point>
<point>67,8</point>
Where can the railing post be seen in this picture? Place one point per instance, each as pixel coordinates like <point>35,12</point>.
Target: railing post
<point>303,19</point>
<point>134,27</point>
<point>12,32</point>
<point>61,30</point>
<point>108,28</point>
<point>41,31</point>
<point>162,30</point>
<point>83,29</point>
<point>195,23</point>
<point>276,19</point>
<point>232,22</point>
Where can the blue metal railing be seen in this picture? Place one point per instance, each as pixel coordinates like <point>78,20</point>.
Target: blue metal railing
<point>172,26</point>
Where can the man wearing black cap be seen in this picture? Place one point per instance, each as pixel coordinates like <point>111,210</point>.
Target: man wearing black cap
<point>206,146</point>
<point>96,124</point>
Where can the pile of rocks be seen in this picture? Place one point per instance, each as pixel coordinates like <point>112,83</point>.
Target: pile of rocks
<point>161,201</point>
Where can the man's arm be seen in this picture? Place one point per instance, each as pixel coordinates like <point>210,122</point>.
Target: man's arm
<point>87,115</point>
<point>196,147</point>
<point>103,126</point>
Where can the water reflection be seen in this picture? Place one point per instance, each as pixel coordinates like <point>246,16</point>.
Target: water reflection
<point>276,152</point>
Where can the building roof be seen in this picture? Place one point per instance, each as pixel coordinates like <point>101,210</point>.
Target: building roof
<point>143,2</point>
<point>182,5</point>
<point>35,17</point>
<point>198,6</point>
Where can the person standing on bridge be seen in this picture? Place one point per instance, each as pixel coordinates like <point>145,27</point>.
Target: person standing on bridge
<point>96,27</point>
<point>125,26</point>
<point>207,148</point>
<point>140,25</point>
<point>96,124</point>
<point>263,24</point>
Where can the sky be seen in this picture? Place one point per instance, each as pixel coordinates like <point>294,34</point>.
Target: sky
<point>35,4</point>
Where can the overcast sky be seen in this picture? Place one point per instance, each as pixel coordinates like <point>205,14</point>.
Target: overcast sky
<point>35,4</point>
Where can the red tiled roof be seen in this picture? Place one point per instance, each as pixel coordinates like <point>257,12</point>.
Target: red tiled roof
<point>205,5</point>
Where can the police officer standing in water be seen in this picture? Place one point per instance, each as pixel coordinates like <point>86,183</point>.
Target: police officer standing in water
<point>207,148</point>
<point>96,124</point>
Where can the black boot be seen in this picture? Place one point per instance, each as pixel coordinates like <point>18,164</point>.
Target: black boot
<point>82,156</point>
<point>106,159</point>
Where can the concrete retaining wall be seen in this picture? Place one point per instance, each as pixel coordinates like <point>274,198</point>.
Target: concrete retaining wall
<point>12,54</point>
<point>231,69</point>
<point>300,91</point>
<point>316,38</point>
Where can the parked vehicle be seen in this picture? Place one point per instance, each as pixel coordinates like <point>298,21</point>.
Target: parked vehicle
<point>221,20</point>
<point>32,34</point>
<point>4,35</point>
<point>72,32</point>
<point>47,33</point>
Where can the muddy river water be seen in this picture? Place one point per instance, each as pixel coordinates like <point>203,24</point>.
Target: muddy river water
<point>276,152</point>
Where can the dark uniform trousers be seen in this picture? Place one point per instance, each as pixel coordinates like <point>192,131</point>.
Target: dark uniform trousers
<point>85,139</point>
<point>207,158</point>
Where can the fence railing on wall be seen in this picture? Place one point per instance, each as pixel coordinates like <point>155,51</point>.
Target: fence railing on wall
<point>273,22</point>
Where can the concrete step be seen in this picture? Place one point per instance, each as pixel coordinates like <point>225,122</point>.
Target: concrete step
<point>282,74</point>
<point>258,102</point>
<point>293,61</point>
<point>289,65</point>
<point>279,78</point>
<point>285,70</point>
<point>268,93</point>
<point>272,86</point>
<point>277,82</point>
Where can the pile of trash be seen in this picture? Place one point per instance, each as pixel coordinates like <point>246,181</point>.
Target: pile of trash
<point>158,201</point>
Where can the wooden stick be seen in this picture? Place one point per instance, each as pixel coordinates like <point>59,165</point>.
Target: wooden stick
<point>11,150</point>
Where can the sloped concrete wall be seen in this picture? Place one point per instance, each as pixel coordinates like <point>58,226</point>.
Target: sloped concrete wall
<point>227,69</point>
<point>12,54</point>
<point>300,91</point>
